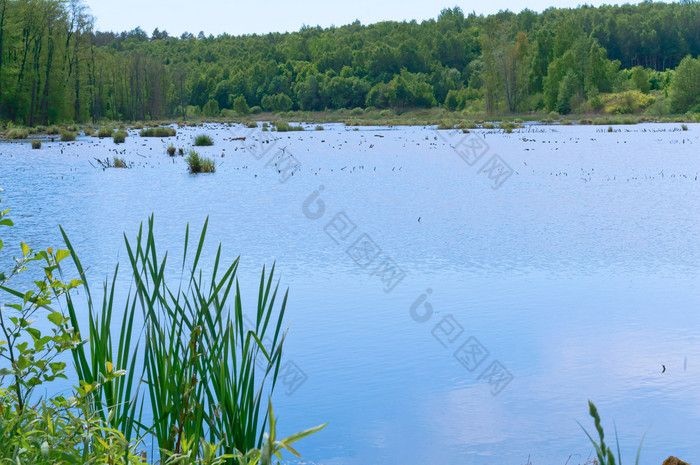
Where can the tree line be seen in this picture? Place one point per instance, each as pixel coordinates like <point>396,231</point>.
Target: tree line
<point>54,65</point>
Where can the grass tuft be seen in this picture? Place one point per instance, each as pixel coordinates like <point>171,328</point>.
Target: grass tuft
<point>36,144</point>
<point>199,164</point>
<point>158,132</point>
<point>67,136</point>
<point>17,133</point>
<point>171,150</point>
<point>120,137</point>
<point>203,140</point>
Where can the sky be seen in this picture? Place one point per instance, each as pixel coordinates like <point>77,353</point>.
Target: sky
<point>237,17</point>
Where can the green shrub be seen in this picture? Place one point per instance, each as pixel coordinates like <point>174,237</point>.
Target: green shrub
<point>171,150</point>
<point>17,133</point>
<point>251,125</point>
<point>256,110</point>
<point>488,126</point>
<point>36,144</point>
<point>203,140</point>
<point>104,132</point>
<point>53,130</point>
<point>211,109</point>
<point>283,126</point>
<point>67,136</point>
<point>684,127</point>
<point>199,164</point>
<point>120,137</point>
<point>319,128</point>
<point>443,126</point>
<point>158,132</point>
<point>240,105</point>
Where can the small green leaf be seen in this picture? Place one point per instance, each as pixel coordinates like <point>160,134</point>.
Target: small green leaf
<point>61,254</point>
<point>6,222</point>
<point>25,249</point>
<point>56,318</point>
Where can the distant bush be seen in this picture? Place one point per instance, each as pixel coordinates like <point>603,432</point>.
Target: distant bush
<point>158,132</point>
<point>278,102</point>
<point>104,132</point>
<point>256,110</point>
<point>684,127</point>
<point>283,126</point>
<point>137,126</point>
<point>211,108</point>
<point>357,112</point>
<point>17,133</point>
<point>199,164</point>
<point>171,150</point>
<point>53,130</point>
<point>240,105</point>
<point>319,128</point>
<point>626,102</point>
<point>488,126</point>
<point>203,140</point>
<point>36,144</point>
<point>67,136</point>
<point>119,137</point>
<point>251,125</point>
<point>442,126</point>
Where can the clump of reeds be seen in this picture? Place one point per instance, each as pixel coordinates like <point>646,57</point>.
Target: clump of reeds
<point>200,164</point>
<point>171,150</point>
<point>120,137</point>
<point>104,132</point>
<point>203,140</point>
<point>158,132</point>
<point>36,144</point>
<point>67,136</point>
<point>17,133</point>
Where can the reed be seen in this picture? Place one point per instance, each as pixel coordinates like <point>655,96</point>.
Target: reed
<point>193,363</point>
<point>200,164</point>
<point>203,140</point>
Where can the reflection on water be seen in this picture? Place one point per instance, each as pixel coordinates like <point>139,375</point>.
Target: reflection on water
<point>579,276</point>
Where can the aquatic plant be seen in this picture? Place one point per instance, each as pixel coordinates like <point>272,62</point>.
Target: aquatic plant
<point>251,125</point>
<point>104,132</point>
<point>158,132</point>
<point>171,150</point>
<point>605,455</point>
<point>319,128</point>
<point>119,163</point>
<point>53,130</point>
<point>120,137</point>
<point>203,140</point>
<point>67,136</point>
<point>199,164</point>
<point>283,126</point>
<point>17,133</point>
<point>36,144</point>
<point>206,373</point>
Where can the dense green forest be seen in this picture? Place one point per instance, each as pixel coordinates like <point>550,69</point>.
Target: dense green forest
<point>54,65</point>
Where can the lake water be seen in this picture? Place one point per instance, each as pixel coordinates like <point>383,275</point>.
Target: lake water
<point>441,311</point>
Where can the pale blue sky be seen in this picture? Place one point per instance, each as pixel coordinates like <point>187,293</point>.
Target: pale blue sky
<point>246,17</point>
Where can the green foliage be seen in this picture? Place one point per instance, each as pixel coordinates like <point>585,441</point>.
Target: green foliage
<point>203,140</point>
<point>171,150</point>
<point>67,136</point>
<point>240,105</point>
<point>53,130</point>
<point>283,126</point>
<point>605,455</point>
<point>199,164</point>
<point>36,144</point>
<point>158,132</point>
<point>105,132</point>
<point>640,79</point>
<point>555,60</point>
<point>17,133</point>
<point>208,375</point>
<point>211,109</point>
<point>626,102</point>
<point>277,102</point>
<point>685,86</point>
<point>120,137</point>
